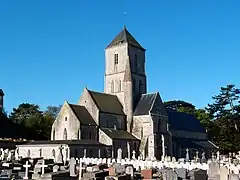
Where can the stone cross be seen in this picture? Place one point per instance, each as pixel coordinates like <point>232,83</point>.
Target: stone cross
<point>99,153</point>
<point>128,149</point>
<point>218,155</point>
<point>134,154</point>
<point>26,170</point>
<point>80,171</point>
<point>203,156</point>
<point>213,156</point>
<point>2,154</point>
<point>84,153</point>
<point>197,155</point>
<point>119,154</point>
<point>163,146</point>
<point>9,157</point>
<point>187,154</point>
<point>43,165</point>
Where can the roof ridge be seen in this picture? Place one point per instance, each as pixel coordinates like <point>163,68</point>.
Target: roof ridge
<point>101,93</point>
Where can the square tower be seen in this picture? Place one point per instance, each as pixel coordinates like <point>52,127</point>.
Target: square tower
<point>125,70</point>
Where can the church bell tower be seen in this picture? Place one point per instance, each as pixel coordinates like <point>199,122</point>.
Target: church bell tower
<point>125,71</point>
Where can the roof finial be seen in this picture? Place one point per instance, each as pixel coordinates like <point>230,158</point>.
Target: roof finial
<point>125,14</point>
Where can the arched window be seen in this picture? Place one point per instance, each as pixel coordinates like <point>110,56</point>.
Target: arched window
<point>65,134</point>
<point>112,86</point>
<point>53,153</point>
<point>28,153</point>
<point>53,134</point>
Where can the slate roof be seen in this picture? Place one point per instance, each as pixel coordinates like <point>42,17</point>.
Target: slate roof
<point>125,37</point>
<point>69,142</point>
<point>1,92</point>
<point>195,143</point>
<point>82,114</point>
<point>107,103</point>
<point>118,134</point>
<point>144,105</point>
<point>185,122</point>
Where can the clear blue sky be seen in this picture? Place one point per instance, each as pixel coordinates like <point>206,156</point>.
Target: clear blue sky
<point>49,50</point>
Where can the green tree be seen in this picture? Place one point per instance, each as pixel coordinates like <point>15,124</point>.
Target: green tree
<point>23,112</point>
<point>52,111</point>
<point>178,105</point>
<point>30,116</point>
<point>226,104</point>
<point>224,111</point>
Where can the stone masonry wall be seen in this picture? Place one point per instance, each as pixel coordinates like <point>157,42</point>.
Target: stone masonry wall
<point>66,119</point>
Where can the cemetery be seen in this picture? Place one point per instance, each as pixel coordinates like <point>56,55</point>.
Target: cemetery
<point>218,167</point>
<point>123,133</point>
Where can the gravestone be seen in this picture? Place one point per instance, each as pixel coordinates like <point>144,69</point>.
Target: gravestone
<point>198,174</point>
<point>36,172</point>
<point>5,173</point>
<point>129,170</point>
<point>214,170</point>
<point>223,173</point>
<point>233,177</point>
<point>55,168</point>
<point>181,173</point>
<point>168,174</point>
<point>119,154</point>
<point>73,167</point>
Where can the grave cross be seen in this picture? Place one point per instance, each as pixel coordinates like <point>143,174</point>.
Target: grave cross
<point>197,155</point>
<point>80,171</point>
<point>84,153</point>
<point>26,170</point>
<point>134,154</point>
<point>43,165</point>
<point>187,154</point>
<point>218,155</point>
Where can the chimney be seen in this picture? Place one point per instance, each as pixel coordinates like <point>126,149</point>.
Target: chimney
<point>1,100</point>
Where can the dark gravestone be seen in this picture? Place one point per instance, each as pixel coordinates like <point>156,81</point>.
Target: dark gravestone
<point>198,174</point>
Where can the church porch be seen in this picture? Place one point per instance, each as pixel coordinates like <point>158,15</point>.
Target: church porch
<point>68,149</point>
<point>123,140</point>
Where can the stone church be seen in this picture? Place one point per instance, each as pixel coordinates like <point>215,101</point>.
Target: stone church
<point>124,116</point>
